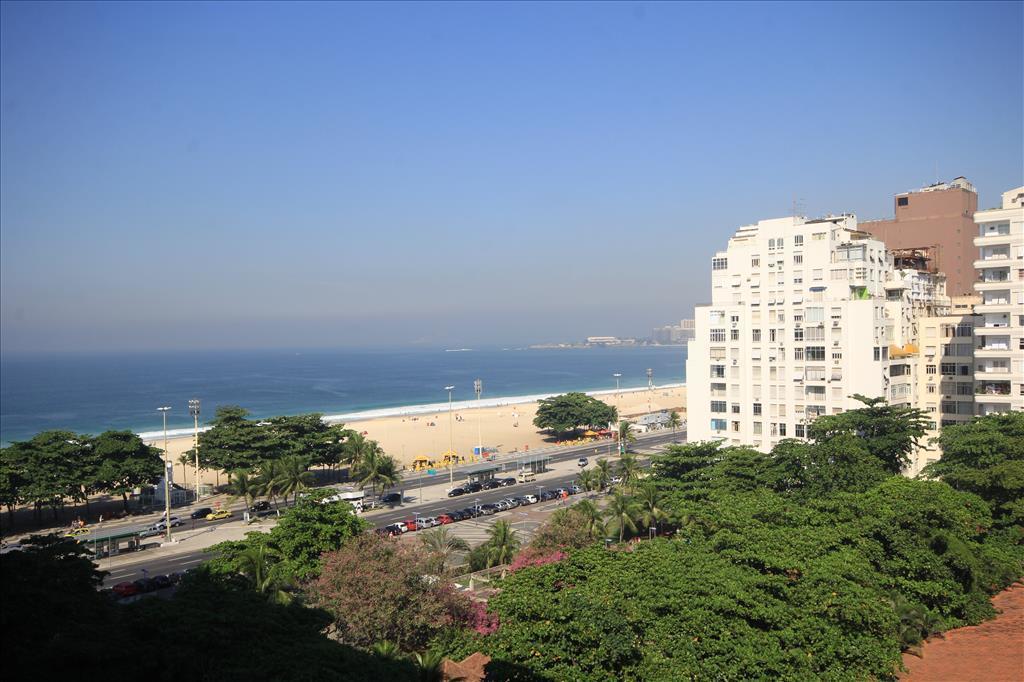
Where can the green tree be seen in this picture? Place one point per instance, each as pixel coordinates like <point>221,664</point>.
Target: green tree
<point>125,462</point>
<point>53,466</point>
<point>674,421</point>
<point>622,513</point>
<point>256,564</point>
<point>375,469</point>
<point>268,480</point>
<point>501,545</point>
<point>442,544</point>
<point>626,436</point>
<point>294,476</point>
<point>592,518</point>
<point>888,432</point>
<point>358,448</point>
<point>629,470</point>
<point>234,442</point>
<point>986,457</point>
<point>573,411</point>
<point>602,474</point>
<point>586,479</point>
<point>651,506</point>
<point>242,486</point>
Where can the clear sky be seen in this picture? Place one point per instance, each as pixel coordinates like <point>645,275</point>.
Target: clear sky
<point>243,175</point>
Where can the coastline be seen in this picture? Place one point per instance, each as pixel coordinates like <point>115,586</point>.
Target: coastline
<point>407,432</point>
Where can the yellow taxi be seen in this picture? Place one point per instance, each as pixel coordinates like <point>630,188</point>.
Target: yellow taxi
<point>77,532</point>
<point>219,514</point>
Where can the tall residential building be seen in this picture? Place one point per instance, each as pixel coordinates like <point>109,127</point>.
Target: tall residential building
<point>999,346</point>
<point>804,315</point>
<point>938,218</point>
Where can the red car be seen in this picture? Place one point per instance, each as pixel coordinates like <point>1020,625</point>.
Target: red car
<point>410,525</point>
<point>444,518</point>
<point>126,589</point>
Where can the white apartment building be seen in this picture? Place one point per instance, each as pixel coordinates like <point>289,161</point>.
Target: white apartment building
<point>803,315</point>
<point>999,335</point>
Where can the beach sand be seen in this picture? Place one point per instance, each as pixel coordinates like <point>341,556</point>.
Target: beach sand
<point>406,437</point>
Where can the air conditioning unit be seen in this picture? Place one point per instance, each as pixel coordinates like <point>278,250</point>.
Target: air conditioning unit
<point>835,323</point>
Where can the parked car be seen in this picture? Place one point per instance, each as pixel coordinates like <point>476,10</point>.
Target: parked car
<point>582,462</point>
<point>175,577</point>
<point>162,582</point>
<point>126,589</point>
<point>428,522</point>
<point>548,495</point>
<point>411,525</point>
<point>473,487</point>
<point>471,512</point>
<point>507,481</point>
<point>521,501</point>
<point>145,585</point>
<point>394,529</point>
<point>262,505</point>
<point>491,484</point>
<point>445,519</point>
<point>513,502</point>
<point>503,505</point>
<point>162,525</point>
<point>456,492</point>
<point>575,489</point>
<point>391,499</point>
<point>530,499</point>
<point>152,531</point>
<point>201,513</point>
<point>77,532</point>
<point>488,509</point>
<point>455,515</point>
<point>217,515</point>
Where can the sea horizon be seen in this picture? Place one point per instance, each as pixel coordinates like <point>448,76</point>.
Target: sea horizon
<point>91,392</point>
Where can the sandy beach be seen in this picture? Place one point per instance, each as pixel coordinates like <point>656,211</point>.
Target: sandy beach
<point>507,428</point>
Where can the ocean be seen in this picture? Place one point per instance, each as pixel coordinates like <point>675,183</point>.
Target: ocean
<point>90,393</point>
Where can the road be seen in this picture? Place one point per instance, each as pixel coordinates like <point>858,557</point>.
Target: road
<point>381,518</point>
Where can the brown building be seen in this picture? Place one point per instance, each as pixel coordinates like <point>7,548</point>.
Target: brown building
<point>939,219</point>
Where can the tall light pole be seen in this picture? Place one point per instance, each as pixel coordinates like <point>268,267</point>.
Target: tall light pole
<point>478,388</point>
<point>193,409</point>
<point>451,438</point>
<point>617,375</point>
<point>167,477</point>
<point>650,388</point>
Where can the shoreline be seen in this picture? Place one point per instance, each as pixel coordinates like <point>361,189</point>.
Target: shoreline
<point>424,408</point>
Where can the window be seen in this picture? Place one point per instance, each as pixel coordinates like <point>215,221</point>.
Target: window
<point>734,334</point>
<point>757,428</point>
<point>931,388</point>
<point>756,335</point>
<point>798,353</point>
<point>929,369</point>
<point>798,259</point>
<point>902,201</point>
<point>757,409</point>
<point>878,353</point>
<point>815,373</point>
<point>815,353</point>
<point>719,263</point>
<point>718,425</point>
<point>755,261</point>
<point>815,392</point>
<point>735,408</point>
<point>798,240</point>
<point>717,371</point>
<point>771,335</point>
<point>817,275</point>
<point>717,335</point>
<point>814,315</point>
<point>798,334</point>
<point>814,334</point>
<point>899,370</point>
<point>782,429</point>
<point>964,389</point>
<point>948,369</point>
<point>818,236</point>
<point>963,370</point>
<point>778,242</point>
<point>800,431</point>
<point>718,406</point>
<point>771,243</point>
<point>735,426</point>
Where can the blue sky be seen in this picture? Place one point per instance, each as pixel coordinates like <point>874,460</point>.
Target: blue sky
<point>244,175</point>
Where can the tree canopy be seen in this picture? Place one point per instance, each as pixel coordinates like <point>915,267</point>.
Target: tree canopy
<point>573,411</point>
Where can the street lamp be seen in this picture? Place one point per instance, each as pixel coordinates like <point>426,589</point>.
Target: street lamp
<point>617,375</point>
<point>167,477</point>
<point>478,388</point>
<point>652,531</point>
<point>650,387</point>
<point>451,438</point>
<point>540,491</point>
<point>193,409</point>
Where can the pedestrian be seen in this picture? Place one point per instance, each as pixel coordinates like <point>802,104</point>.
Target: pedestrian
<point>101,518</point>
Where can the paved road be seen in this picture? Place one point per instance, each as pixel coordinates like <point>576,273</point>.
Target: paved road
<point>408,510</point>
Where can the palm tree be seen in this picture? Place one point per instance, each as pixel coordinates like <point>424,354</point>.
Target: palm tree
<point>376,467</point>
<point>502,544</point>
<point>441,544</point>
<point>626,435</point>
<point>293,476</point>
<point>242,486</point>
<point>429,664</point>
<point>651,513</point>
<point>629,469</point>
<point>602,473</point>
<point>387,649</point>
<point>358,448</point>
<point>587,480</point>
<point>254,563</point>
<point>268,481</point>
<point>593,516</point>
<point>622,512</point>
<point>674,420</point>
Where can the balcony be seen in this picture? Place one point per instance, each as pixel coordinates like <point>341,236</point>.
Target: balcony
<point>991,239</point>
<point>992,388</point>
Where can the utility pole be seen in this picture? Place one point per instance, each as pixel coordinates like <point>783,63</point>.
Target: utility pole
<point>167,477</point>
<point>478,388</point>
<point>193,409</point>
<point>451,438</point>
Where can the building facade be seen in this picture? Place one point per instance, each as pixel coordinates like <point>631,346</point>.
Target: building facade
<point>937,218</point>
<point>804,315</point>
<point>999,334</point>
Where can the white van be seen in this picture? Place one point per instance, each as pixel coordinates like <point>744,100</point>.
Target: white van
<point>526,476</point>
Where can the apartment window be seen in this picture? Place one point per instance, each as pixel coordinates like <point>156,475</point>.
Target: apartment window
<point>719,263</point>
<point>716,317</point>
<point>718,406</point>
<point>837,355</point>
<point>771,335</point>
<point>778,242</point>
<point>774,429</point>
<point>899,370</point>
<point>755,261</point>
<point>964,330</point>
<point>815,392</point>
<point>771,244</point>
<point>798,259</point>
<point>817,275</point>
<point>736,426</point>
<point>814,315</point>
<point>798,334</point>
<point>931,388</point>
<point>717,335</point>
<point>818,236</point>
<point>964,389</point>
<point>948,369</point>
<point>800,431</point>
<point>717,371</point>
<point>815,373</point>
<point>735,408</point>
<point>757,428</point>
<point>814,334</point>
<point>756,335</point>
<point>798,353</point>
<point>885,352</point>
<point>782,429</point>
<point>963,370</point>
<point>734,334</point>
<point>815,353</point>
<point>798,240</point>
<point>757,409</point>
<point>929,369</point>
<point>948,406</point>
<point>718,425</point>
<point>878,353</point>
<point>902,201</point>
<point>799,279</point>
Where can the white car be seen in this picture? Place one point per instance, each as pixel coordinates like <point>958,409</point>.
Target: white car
<point>615,480</point>
<point>427,522</point>
<point>161,525</point>
<point>530,499</point>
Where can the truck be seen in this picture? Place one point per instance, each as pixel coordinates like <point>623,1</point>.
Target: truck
<point>357,498</point>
